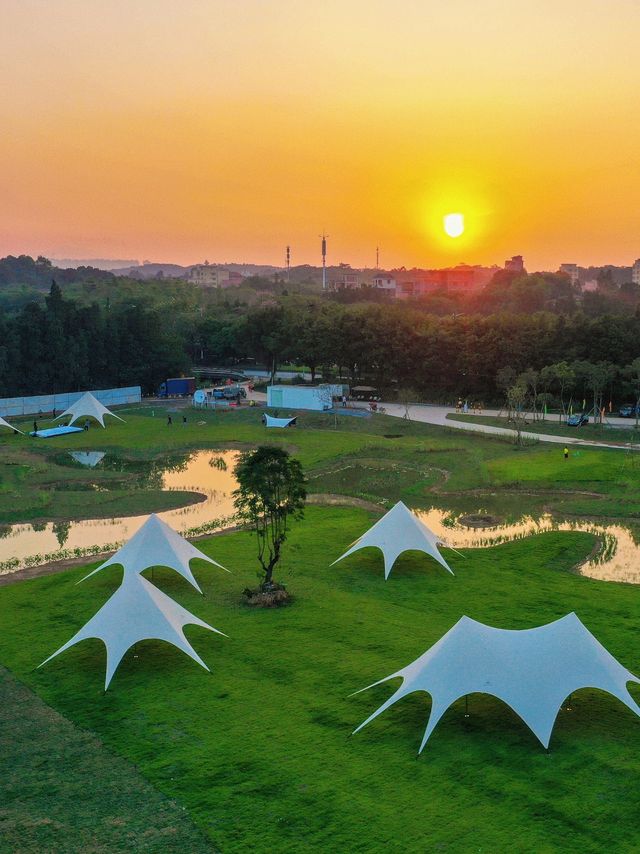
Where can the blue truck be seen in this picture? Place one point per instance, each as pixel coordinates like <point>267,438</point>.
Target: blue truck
<point>177,387</point>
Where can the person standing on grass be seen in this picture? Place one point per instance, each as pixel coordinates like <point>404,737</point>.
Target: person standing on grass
<point>86,423</point>
<point>566,453</point>
<point>169,421</point>
<point>35,426</point>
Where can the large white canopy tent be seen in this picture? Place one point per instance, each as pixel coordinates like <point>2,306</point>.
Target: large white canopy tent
<point>137,611</point>
<point>531,670</point>
<point>157,544</point>
<point>4,423</point>
<point>398,531</point>
<point>87,406</point>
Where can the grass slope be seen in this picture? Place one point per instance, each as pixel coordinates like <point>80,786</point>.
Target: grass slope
<point>63,792</point>
<point>259,751</point>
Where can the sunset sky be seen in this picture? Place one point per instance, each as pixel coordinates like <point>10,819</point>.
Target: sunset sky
<point>178,130</point>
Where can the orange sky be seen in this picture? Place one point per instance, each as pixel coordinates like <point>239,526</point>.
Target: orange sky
<point>176,130</point>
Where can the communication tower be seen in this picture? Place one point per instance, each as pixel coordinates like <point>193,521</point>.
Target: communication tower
<point>324,260</point>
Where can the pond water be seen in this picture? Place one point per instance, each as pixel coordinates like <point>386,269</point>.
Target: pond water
<point>210,473</point>
<point>207,472</point>
<point>617,560</point>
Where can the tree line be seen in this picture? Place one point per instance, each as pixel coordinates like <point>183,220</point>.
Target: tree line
<point>63,344</point>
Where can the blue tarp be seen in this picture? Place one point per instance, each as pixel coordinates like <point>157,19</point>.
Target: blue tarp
<point>55,431</point>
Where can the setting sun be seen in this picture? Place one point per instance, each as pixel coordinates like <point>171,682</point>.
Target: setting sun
<point>454,224</point>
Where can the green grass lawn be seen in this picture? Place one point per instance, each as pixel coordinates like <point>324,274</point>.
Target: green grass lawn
<point>259,751</point>
<point>63,791</point>
<point>380,459</point>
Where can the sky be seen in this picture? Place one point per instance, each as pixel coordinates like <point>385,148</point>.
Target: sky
<point>179,130</point>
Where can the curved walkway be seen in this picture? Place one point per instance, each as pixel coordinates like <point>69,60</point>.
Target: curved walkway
<point>438,415</point>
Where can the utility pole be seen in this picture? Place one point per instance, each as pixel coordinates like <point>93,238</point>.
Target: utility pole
<point>288,262</point>
<point>324,260</point>
<point>377,257</point>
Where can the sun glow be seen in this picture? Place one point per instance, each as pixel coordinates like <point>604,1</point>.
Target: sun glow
<point>454,224</point>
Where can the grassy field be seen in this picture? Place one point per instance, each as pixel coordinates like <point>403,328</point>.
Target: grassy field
<point>378,459</point>
<point>259,751</point>
<point>63,791</point>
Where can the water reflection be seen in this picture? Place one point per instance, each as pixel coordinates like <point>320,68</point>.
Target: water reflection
<point>87,458</point>
<point>209,473</point>
<point>617,560</point>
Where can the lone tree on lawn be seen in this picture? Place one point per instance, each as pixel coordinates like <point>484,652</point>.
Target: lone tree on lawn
<point>271,490</point>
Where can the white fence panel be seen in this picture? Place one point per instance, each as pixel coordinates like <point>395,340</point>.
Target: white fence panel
<point>16,406</point>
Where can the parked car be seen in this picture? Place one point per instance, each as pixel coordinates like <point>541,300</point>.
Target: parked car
<point>229,392</point>
<point>627,411</point>
<point>578,420</point>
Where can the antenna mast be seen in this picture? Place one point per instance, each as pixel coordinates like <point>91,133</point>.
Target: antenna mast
<point>377,257</point>
<point>324,260</point>
<point>288,262</point>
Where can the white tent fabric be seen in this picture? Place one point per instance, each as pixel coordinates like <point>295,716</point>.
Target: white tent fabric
<point>270,421</point>
<point>157,544</point>
<point>4,423</point>
<point>398,531</point>
<point>137,611</point>
<point>87,407</point>
<point>531,670</point>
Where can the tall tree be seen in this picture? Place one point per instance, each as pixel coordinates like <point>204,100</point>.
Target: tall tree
<point>271,492</point>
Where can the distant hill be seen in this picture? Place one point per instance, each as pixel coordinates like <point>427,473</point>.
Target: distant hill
<point>108,264</point>
<point>153,271</point>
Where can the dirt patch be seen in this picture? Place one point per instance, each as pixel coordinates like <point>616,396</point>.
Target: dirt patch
<point>330,499</point>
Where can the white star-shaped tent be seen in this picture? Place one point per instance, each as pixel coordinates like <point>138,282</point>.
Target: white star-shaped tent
<point>157,544</point>
<point>137,611</point>
<point>398,531</point>
<point>87,406</point>
<point>4,423</point>
<point>531,670</point>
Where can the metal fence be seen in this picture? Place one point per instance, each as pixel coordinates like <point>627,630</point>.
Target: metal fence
<point>16,406</point>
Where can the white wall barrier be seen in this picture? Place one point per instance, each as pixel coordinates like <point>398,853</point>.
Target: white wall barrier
<point>16,406</point>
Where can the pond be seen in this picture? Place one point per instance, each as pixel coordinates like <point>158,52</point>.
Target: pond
<point>207,472</point>
<point>210,473</point>
<point>618,559</point>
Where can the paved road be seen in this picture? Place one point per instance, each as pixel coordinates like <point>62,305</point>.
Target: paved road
<point>438,415</point>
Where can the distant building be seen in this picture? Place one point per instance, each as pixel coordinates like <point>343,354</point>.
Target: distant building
<point>571,270</point>
<point>590,286</point>
<point>384,282</point>
<point>635,272</point>
<point>208,276</point>
<point>347,279</point>
<point>461,279</point>
<point>235,279</point>
<point>515,264</point>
